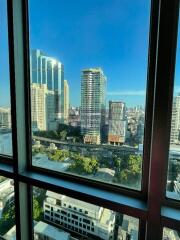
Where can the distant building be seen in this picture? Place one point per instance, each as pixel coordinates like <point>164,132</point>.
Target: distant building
<point>6,193</point>
<point>117,123</point>
<point>74,117</point>
<point>66,101</point>
<point>93,87</point>
<point>42,108</point>
<point>49,71</point>
<point>38,106</point>
<point>5,118</point>
<point>44,231</point>
<point>175,122</point>
<point>79,217</point>
<point>140,132</point>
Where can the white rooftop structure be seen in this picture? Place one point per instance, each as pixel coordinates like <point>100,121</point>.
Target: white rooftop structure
<point>50,232</point>
<point>40,160</point>
<point>74,203</point>
<point>6,193</point>
<point>11,234</point>
<point>83,218</point>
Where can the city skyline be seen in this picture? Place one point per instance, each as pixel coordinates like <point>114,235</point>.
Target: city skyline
<point>111,50</point>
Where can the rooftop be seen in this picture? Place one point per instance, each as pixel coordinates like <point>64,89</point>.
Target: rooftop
<point>74,202</point>
<point>50,231</point>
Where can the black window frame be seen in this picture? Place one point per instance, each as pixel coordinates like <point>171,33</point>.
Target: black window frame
<point>150,205</point>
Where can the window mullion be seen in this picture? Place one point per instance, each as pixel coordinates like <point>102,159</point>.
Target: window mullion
<point>18,98</point>
<point>166,51</point>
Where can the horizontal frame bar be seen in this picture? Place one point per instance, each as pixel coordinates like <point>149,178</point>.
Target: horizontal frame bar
<point>6,170</point>
<point>111,200</point>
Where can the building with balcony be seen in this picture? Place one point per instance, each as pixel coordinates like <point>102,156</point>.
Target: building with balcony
<point>82,218</point>
<point>93,88</point>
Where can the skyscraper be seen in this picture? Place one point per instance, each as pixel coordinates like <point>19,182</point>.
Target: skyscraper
<point>117,123</point>
<point>5,118</point>
<point>47,70</point>
<point>175,123</point>
<point>66,101</point>
<point>93,87</point>
<point>42,108</point>
<point>38,106</point>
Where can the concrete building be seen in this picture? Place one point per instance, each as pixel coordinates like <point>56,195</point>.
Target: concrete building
<point>93,88</point>
<point>6,193</point>
<point>43,114</point>
<point>74,116</point>
<point>117,123</point>
<point>11,234</point>
<point>175,121</point>
<point>38,107</point>
<point>66,101</point>
<point>5,118</point>
<point>49,71</point>
<point>82,218</point>
<point>44,231</point>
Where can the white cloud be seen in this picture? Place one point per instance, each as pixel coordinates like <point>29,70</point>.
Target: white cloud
<point>127,93</point>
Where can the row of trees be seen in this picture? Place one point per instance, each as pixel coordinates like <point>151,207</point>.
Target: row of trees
<point>127,167</point>
<point>62,133</point>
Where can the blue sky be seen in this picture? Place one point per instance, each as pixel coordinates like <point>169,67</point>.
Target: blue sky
<point>111,34</point>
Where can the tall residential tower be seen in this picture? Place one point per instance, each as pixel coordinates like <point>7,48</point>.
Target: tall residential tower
<point>66,101</point>
<point>117,123</point>
<point>93,88</point>
<point>175,122</point>
<point>49,71</point>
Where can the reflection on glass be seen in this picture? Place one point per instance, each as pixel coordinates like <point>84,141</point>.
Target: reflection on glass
<point>60,217</point>
<point>5,111</point>
<point>87,90</point>
<point>170,234</point>
<point>7,209</point>
<point>173,181</point>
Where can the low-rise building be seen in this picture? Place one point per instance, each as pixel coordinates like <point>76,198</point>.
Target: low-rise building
<point>11,234</point>
<point>6,193</point>
<point>5,118</point>
<point>44,231</point>
<point>79,217</point>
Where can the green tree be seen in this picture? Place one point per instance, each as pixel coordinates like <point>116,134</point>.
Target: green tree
<point>8,218</point>
<point>37,210</point>
<point>83,165</point>
<point>130,170</point>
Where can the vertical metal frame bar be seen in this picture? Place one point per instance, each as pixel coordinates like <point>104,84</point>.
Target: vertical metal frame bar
<point>150,94</point>
<point>18,97</point>
<point>166,52</point>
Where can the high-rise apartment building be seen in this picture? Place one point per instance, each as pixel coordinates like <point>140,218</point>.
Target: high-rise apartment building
<point>175,123</point>
<point>84,219</point>
<point>93,87</point>
<point>38,106</point>
<point>66,101</point>
<point>117,123</point>
<point>42,108</point>
<point>5,118</point>
<point>47,70</point>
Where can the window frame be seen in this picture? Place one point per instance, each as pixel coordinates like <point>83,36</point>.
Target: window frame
<point>153,213</point>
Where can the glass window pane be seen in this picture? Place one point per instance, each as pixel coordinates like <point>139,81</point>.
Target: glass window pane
<point>173,181</point>
<point>170,234</point>
<point>5,108</point>
<point>58,216</point>
<point>7,209</point>
<point>88,71</point>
